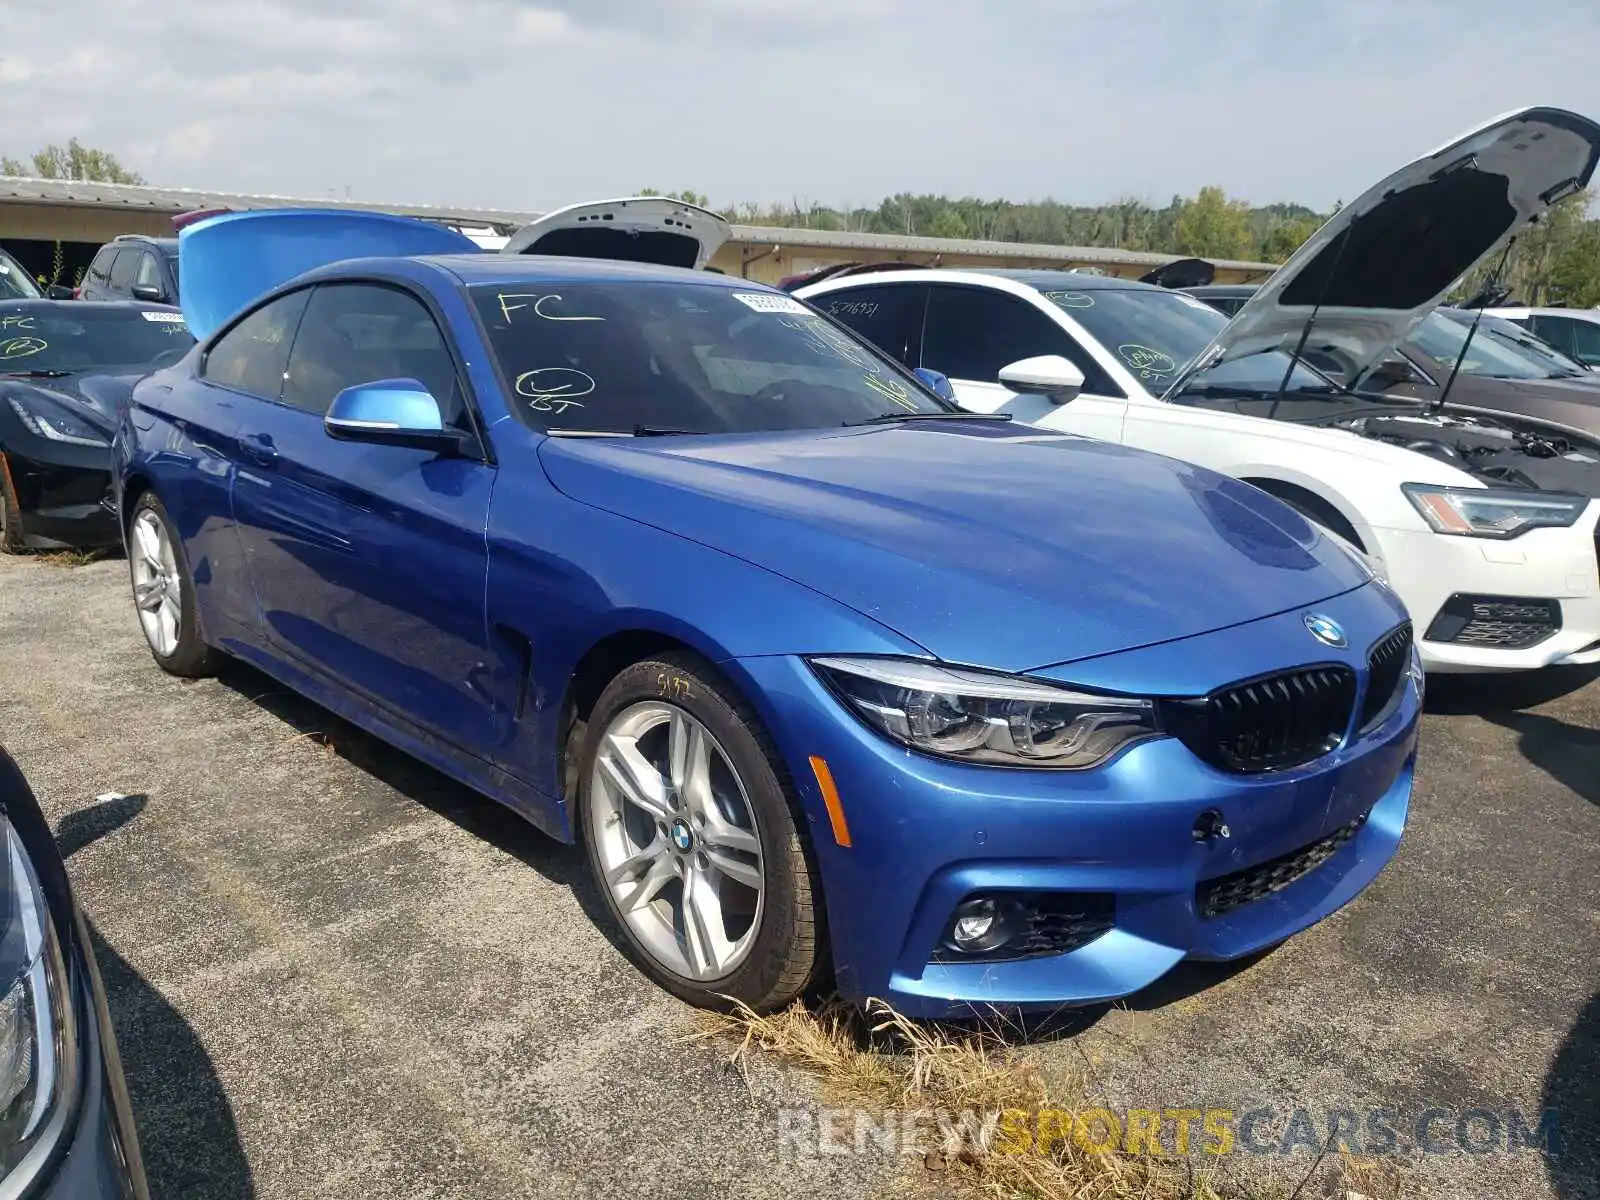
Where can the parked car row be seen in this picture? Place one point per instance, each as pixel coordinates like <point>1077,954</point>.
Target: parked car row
<point>855,633</point>
<point>815,618</point>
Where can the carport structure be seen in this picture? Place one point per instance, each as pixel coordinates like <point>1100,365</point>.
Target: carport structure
<point>53,227</point>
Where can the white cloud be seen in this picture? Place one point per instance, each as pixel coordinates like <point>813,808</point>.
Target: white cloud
<point>532,103</point>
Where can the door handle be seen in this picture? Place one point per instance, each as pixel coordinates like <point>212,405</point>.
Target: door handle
<point>258,448</point>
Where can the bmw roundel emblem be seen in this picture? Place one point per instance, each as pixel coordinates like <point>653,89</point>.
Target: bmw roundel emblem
<point>1326,630</point>
<point>681,837</point>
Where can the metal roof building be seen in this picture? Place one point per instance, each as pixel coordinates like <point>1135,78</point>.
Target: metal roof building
<point>52,210</point>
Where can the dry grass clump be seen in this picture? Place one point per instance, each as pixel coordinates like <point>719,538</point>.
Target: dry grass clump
<point>881,1061</point>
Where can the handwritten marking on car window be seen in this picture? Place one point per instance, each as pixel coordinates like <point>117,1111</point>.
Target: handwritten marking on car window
<point>1151,364</point>
<point>853,308</point>
<point>22,347</point>
<point>543,305</point>
<point>554,389</point>
<point>894,389</point>
<point>1070,299</point>
<point>16,321</point>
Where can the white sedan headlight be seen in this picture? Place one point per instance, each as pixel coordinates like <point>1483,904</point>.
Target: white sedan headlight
<point>981,717</point>
<point>1492,512</point>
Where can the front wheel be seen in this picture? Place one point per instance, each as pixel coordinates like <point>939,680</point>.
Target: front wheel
<point>163,593</point>
<point>691,833</point>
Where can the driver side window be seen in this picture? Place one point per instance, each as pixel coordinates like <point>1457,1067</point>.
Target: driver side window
<point>253,355</point>
<point>972,332</point>
<point>361,332</point>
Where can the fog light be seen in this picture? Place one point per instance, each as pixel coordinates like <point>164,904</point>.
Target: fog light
<point>972,925</point>
<point>979,926</point>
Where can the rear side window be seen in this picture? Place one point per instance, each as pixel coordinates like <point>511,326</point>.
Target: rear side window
<point>149,273</point>
<point>889,316</point>
<point>100,268</point>
<point>254,355</point>
<point>971,332</point>
<point>122,271</point>
<point>1580,339</point>
<point>362,332</point>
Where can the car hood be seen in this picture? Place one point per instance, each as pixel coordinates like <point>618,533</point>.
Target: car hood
<point>229,259</point>
<point>649,229</point>
<point>98,398</point>
<point>984,544</point>
<point>1387,259</point>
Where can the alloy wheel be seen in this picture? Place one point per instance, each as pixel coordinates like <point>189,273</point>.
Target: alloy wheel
<point>676,840</point>
<point>157,585</point>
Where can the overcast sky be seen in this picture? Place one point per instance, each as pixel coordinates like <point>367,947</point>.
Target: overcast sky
<point>527,104</point>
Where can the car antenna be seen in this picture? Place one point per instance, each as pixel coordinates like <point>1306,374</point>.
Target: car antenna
<point>1461,355</point>
<point>1305,333</point>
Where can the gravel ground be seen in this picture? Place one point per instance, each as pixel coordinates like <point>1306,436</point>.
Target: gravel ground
<point>336,974</point>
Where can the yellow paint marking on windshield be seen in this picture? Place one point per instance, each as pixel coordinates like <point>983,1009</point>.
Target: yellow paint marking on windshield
<point>22,347</point>
<point>894,389</point>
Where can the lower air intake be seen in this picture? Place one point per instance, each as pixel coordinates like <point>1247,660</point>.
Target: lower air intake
<point>1495,622</point>
<point>1220,896</point>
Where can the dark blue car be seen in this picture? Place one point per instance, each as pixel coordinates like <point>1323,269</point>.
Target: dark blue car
<point>828,677</point>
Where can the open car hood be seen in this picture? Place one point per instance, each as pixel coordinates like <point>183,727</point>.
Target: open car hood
<point>647,229</point>
<point>228,260</point>
<point>1387,259</point>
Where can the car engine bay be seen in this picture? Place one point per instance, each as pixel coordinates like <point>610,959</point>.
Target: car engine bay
<point>1501,452</point>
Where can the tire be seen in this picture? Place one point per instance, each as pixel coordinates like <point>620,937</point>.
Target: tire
<point>156,560</point>
<point>11,537</point>
<point>775,943</point>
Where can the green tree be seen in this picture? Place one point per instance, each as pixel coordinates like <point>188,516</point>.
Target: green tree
<point>695,198</point>
<point>948,224</point>
<point>1212,226</point>
<point>1283,238</point>
<point>72,161</point>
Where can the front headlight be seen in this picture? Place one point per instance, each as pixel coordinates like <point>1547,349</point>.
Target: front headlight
<point>1492,512</point>
<point>36,1035</point>
<point>55,423</point>
<point>979,717</point>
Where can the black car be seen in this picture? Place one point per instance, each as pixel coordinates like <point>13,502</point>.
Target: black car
<point>133,267</point>
<point>65,366</point>
<point>66,1129</point>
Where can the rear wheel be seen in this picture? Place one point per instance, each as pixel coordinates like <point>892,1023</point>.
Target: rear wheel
<point>163,593</point>
<point>691,833</point>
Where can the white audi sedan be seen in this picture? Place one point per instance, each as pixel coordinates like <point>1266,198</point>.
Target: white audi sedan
<point>1485,526</point>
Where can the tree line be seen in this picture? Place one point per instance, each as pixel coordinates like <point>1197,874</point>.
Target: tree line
<point>1557,261</point>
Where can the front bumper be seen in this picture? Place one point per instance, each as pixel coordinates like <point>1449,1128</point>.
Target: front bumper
<point>1428,569</point>
<point>64,494</point>
<point>926,833</point>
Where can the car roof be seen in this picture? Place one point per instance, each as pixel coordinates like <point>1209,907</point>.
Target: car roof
<point>492,268</point>
<point>43,305</point>
<point>165,244</point>
<point>1222,291</point>
<point>1045,279</point>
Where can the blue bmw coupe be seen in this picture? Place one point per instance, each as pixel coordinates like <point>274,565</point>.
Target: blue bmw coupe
<point>828,677</point>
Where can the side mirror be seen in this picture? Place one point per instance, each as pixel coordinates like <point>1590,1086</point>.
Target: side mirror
<point>1049,375</point>
<point>392,412</point>
<point>149,293</point>
<point>56,292</point>
<point>936,382</point>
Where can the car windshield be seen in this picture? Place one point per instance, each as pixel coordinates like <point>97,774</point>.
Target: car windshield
<point>1441,338</point>
<point>76,336</point>
<point>1518,340</point>
<point>15,283</point>
<point>689,357</point>
<point>1156,333</point>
